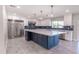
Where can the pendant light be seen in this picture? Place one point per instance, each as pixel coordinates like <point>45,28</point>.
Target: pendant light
<point>51,11</point>
<point>41,15</point>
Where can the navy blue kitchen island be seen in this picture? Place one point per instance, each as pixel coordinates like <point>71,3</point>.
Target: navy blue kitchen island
<point>45,38</point>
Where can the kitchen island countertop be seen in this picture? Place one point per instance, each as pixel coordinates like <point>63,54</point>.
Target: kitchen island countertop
<point>48,32</point>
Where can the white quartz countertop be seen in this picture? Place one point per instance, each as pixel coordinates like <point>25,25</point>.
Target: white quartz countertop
<point>48,32</point>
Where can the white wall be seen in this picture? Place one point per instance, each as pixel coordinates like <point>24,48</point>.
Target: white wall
<point>68,19</point>
<point>45,22</point>
<point>58,18</point>
<point>3,30</point>
<point>75,20</point>
<point>25,22</point>
<point>68,22</point>
<point>14,17</point>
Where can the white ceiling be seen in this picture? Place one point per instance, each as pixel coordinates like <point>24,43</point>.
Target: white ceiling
<point>29,10</point>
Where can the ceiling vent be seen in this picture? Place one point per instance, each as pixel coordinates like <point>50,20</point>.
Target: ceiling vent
<point>14,6</point>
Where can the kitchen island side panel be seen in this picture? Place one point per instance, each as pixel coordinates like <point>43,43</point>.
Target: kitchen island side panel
<point>28,35</point>
<point>53,41</point>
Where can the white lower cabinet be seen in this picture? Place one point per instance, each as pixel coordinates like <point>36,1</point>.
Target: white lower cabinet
<point>68,36</point>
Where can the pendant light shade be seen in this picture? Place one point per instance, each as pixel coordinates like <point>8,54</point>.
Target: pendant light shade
<point>51,11</point>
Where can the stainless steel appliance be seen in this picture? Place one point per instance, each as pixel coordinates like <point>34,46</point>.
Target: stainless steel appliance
<point>18,28</point>
<point>15,28</point>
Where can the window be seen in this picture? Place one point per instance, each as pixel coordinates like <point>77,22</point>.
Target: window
<point>57,24</point>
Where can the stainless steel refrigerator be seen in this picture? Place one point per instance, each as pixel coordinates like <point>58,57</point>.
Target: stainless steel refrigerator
<point>15,28</point>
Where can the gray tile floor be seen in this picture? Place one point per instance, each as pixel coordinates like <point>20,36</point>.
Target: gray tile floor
<point>21,46</point>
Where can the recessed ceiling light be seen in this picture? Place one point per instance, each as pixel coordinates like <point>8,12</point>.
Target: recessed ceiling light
<point>18,6</point>
<point>51,15</point>
<point>28,16</point>
<point>67,11</point>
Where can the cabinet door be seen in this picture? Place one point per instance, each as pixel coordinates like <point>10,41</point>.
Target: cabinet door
<point>26,35</point>
<point>43,41</point>
<point>39,38</point>
<point>56,39</point>
<point>53,41</point>
<point>34,35</point>
<point>50,42</point>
